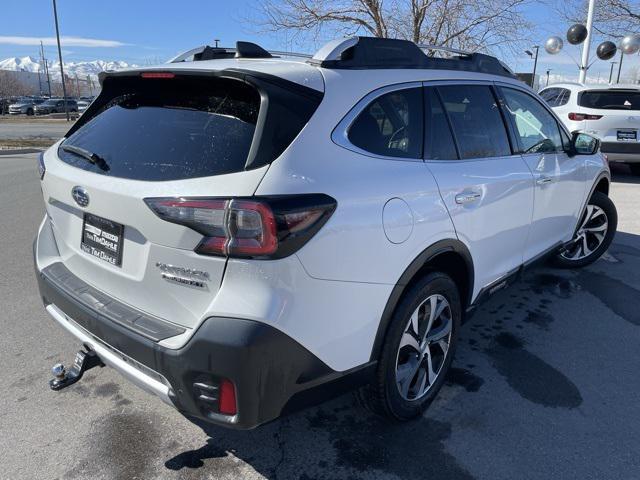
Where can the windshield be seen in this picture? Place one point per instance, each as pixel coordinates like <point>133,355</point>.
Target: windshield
<point>610,99</point>
<point>171,130</point>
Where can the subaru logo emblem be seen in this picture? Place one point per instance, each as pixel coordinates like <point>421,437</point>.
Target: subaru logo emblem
<point>80,195</point>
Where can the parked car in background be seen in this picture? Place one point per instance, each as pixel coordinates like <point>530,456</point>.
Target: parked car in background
<point>55,105</point>
<point>4,105</point>
<point>24,105</point>
<point>610,113</point>
<point>83,105</point>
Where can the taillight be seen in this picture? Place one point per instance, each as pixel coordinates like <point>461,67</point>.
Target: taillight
<point>578,117</point>
<point>261,227</point>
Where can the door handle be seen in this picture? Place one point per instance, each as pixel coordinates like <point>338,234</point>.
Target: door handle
<point>543,180</point>
<point>464,198</point>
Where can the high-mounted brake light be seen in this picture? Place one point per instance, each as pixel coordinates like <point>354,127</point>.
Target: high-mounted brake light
<point>579,117</point>
<point>157,75</point>
<point>248,227</point>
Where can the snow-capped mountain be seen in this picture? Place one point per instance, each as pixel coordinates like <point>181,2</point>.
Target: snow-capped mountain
<point>71,69</point>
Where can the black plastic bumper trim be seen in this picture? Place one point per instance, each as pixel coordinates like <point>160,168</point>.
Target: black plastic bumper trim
<point>272,373</point>
<point>112,310</point>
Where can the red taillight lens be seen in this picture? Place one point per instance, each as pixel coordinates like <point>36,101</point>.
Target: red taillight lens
<point>230,227</point>
<point>157,75</point>
<point>578,117</point>
<point>262,228</point>
<point>227,403</point>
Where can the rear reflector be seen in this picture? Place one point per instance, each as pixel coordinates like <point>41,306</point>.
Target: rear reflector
<point>157,75</point>
<point>227,405</point>
<point>248,228</point>
<point>578,117</point>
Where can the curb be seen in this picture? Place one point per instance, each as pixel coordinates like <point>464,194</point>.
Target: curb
<point>19,151</point>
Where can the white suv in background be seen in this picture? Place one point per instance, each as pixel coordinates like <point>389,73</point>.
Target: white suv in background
<point>610,113</point>
<point>242,234</point>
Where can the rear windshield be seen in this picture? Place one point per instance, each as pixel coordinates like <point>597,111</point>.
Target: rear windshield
<point>610,100</point>
<point>169,129</point>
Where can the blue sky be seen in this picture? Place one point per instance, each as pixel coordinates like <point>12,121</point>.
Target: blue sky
<point>148,31</point>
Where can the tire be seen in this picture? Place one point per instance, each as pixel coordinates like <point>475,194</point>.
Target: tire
<point>600,216</point>
<point>635,168</point>
<point>29,112</point>
<point>391,394</point>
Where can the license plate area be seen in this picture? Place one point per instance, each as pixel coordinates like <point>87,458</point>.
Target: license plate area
<point>102,238</point>
<point>627,135</point>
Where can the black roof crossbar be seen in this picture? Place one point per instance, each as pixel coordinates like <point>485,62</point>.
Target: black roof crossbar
<point>242,50</point>
<point>361,53</point>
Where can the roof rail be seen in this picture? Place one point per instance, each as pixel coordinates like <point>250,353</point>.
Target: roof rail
<point>241,50</point>
<point>359,53</point>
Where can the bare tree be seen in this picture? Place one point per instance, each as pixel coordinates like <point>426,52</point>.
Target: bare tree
<point>10,84</point>
<point>612,18</point>
<point>469,24</point>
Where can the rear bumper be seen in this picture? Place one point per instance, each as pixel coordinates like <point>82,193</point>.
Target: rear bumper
<point>621,152</point>
<point>272,373</point>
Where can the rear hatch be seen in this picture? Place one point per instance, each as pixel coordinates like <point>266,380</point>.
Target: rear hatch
<point>613,114</point>
<point>159,134</point>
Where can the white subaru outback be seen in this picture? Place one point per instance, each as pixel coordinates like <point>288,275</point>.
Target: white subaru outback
<point>242,234</point>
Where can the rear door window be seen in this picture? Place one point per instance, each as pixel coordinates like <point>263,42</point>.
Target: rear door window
<point>170,130</point>
<point>438,142</point>
<point>391,125</point>
<point>610,99</point>
<point>477,123</point>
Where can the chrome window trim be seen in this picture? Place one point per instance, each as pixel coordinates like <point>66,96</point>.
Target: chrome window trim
<point>340,134</point>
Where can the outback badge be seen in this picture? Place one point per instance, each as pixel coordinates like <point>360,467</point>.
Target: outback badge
<point>184,276</point>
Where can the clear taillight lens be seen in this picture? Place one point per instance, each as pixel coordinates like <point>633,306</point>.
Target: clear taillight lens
<point>236,227</point>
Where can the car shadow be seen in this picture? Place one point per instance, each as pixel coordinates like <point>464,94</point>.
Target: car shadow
<point>340,439</point>
<point>620,173</point>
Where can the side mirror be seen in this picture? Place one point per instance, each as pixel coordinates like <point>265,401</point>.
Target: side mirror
<point>583,144</point>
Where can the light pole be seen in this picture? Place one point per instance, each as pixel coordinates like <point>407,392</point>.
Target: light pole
<point>46,67</point>
<point>548,70</point>
<point>64,89</point>
<point>611,71</point>
<point>620,66</point>
<point>535,62</point>
<point>584,65</point>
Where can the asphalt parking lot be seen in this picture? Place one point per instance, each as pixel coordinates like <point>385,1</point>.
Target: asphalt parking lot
<point>22,127</point>
<point>545,386</point>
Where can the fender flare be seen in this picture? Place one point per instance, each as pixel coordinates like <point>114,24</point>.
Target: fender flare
<point>438,248</point>
<point>600,176</point>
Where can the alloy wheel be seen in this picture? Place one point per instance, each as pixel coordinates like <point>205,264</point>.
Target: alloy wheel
<point>423,347</point>
<point>589,236</point>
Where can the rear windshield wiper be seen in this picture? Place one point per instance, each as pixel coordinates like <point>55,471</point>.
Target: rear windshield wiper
<point>93,158</point>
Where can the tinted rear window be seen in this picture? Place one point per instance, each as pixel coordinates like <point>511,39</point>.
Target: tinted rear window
<point>170,129</point>
<point>476,120</point>
<point>610,100</point>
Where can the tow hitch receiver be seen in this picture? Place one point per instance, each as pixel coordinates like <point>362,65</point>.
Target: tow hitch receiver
<point>85,360</point>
